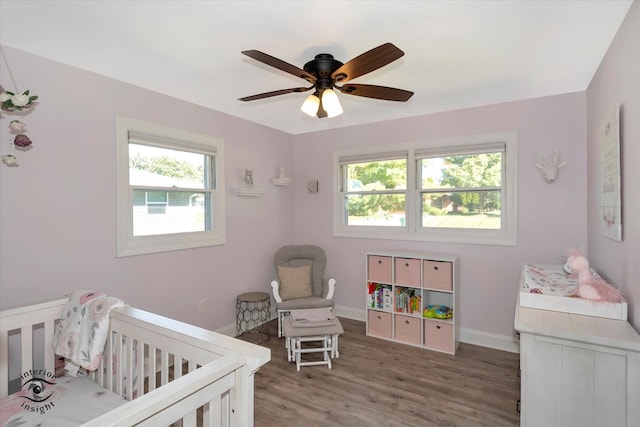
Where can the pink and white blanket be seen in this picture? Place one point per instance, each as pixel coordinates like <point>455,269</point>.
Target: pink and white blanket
<point>81,334</point>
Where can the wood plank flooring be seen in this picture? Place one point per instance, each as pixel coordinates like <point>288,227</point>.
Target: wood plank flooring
<point>380,383</point>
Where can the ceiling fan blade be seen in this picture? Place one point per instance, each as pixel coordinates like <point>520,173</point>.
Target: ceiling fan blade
<point>369,61</point>
<point>280,64</point>
<point>378,92</point>
<point>275,93</point>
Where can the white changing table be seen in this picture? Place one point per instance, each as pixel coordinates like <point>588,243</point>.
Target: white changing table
<point>327,335</point>
<point>577,370</point>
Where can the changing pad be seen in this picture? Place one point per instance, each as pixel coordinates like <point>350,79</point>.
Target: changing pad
<point>548,280</point>
<point>549,287</point>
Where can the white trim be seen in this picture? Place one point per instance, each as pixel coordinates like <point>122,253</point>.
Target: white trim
<point>127,243</point>
<point>490,340</point>
<point>506,236</point>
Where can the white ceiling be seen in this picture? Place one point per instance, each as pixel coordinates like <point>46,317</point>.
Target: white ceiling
<point>458,54</point>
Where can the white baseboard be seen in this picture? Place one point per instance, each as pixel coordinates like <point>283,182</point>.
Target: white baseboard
<point>489,340</point>
<point>350,313</point>
<point>469,336</point>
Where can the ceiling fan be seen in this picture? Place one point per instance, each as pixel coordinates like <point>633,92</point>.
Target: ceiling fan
<point>324,73</point>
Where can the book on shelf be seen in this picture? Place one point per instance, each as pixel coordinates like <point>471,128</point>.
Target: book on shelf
<point>408,301</point>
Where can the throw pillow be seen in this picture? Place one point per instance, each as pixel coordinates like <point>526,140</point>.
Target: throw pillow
<point>295,282</point>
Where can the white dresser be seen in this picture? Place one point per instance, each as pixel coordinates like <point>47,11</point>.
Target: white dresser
<point>577,370</point>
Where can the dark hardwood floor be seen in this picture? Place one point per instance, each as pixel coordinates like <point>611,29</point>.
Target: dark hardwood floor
<point>380,383</point>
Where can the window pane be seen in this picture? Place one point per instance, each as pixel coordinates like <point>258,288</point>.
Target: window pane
<point>181,212</point>
<point>161,167</point>
<point>375,209</point>
<point>466,171</point>
<point>377,176</point>
<point>465,209</point>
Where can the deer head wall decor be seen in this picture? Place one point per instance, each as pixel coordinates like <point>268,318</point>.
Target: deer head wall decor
<point>550,165</point>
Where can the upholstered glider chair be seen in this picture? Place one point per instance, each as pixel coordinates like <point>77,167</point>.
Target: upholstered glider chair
<point>301,283</point>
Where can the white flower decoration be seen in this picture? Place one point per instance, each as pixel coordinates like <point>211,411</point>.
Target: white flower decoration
<point>9,159</point>
<point>20,100</point>
<point>17,125</point>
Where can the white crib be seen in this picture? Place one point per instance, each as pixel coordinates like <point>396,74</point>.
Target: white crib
<point>213,387</point>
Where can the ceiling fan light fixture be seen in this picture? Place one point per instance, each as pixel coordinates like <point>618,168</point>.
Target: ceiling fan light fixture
<point>331,103</point>
<point>310,105</point>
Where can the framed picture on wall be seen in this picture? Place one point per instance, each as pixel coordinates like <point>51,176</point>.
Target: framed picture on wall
<point>610,191</point>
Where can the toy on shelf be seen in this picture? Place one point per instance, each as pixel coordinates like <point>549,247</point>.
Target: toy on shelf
<point>590,287</point>
<point>438,311</point>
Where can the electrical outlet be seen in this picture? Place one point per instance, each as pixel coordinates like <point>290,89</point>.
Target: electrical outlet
<point>202,305</point>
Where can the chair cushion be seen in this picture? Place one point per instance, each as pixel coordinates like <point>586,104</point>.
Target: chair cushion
<point>295,282</point>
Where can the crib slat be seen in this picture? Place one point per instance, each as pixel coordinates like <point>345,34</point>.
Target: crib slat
<point>189,420</point>
<point>152,367</point>
<point>129,368</point>
<point>213,417</point>
<point>164,367</point>
<point>119,359</point>
<point>4,363</point>
<point>139,385</point>
<point>177,367</point>
<point>26,344</point>
<point>49,355</point>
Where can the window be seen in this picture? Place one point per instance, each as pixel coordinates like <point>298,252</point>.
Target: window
<point>459,190</point>
<point>170,188</point>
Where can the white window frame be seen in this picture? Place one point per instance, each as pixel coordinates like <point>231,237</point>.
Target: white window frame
<point>127,243</point>
<point>505,236</point>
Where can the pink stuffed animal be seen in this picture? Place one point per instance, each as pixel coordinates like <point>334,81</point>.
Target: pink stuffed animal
<point>590,287</point>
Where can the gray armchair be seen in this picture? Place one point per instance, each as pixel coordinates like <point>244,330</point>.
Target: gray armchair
<point>301,283</point>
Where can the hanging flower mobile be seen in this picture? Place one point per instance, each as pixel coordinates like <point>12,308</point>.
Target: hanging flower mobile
<point>19,104</point>
<point>12,103</point>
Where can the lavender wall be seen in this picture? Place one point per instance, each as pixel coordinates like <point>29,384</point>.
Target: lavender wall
<point>617,81</point>
<point>58,214</point>
<point>551,218</point>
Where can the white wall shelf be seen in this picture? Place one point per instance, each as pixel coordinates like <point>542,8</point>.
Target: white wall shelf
<point>249,192</point>
<point>282,182</point>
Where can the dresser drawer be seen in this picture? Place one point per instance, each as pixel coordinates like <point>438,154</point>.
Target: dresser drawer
<point>408,329</point>
<point>438,275</point>
<point>379,324</point>
<point>407,271</point>
<point>438,335</point>
<point>379,268</point>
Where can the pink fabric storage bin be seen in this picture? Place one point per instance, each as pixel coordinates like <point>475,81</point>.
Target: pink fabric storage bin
<point>379,324</point>
<point>407,271</point>
<point>438,335</point>
<point>408,329</point>
<point>438,275</point>
<point>379,268</point>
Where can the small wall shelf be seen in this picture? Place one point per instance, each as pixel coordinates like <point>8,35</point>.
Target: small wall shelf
<point>283,182</point>
<point>249,192</point>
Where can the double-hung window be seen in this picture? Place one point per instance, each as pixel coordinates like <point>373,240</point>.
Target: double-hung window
<point>460,190</point>
<point>170,188</point>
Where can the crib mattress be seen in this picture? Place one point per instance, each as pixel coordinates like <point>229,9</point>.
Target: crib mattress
<point>548,287</point>
<point>71,401</point>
